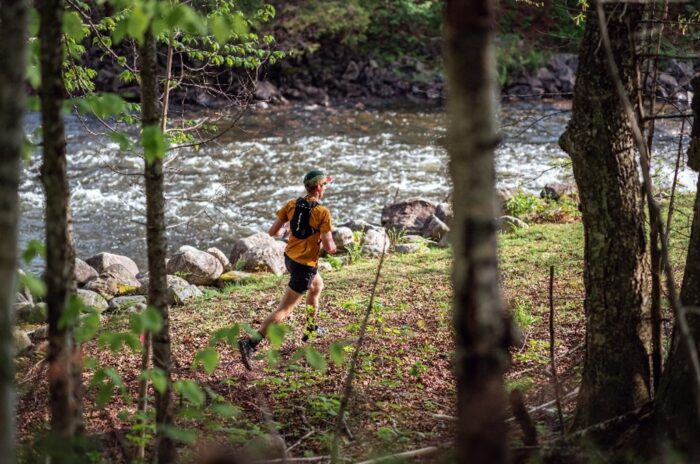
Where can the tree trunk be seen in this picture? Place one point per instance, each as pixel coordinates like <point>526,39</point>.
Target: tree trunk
<point>676,413</point>
<point>13,39</point>
<point>481,334</point>
<point>616,376</point>
<point>60,254</point>
<point>157,244</point>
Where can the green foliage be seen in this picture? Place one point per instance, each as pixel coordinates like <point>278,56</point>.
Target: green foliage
<point>148,320</point>
<point>334,261</point>
<point>522,314</point>
<point>35,285</point>
<point>354,249</point>
<point>319,20</point>
<point>513,53</point>
<point>157,377</point>
<point>532,208</point>
<point>403,24</point>
<point>396,236</point>
<point>381,28</point>
<point>324,406</point>
<point>34,248</point>
<point>208,358</point>
<point>154,143</point>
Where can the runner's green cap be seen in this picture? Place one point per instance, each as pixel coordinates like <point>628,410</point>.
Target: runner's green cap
<point>315,177</point>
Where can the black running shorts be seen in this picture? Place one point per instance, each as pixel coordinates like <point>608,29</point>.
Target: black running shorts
<point>301,275</point>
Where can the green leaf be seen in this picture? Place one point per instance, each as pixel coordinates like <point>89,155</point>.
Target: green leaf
<point>89,325</point>
<point>122,139</point>
<point>137,23</point>
<point>104,394</point>
<point>315,358</point>
<point>36,286</point>
<point>34,248</point>
<point>33,22</point>
<point>115,341</point>
<point>230,334</point>
<point>157,377</point>
<point>120,31</point>
<point>154,143</point>
<point>239,25</point>
<point>190,391</point>
<point>152,320</point>
<point>273,358</point>
<point>221,27</point>
<point>71,312</point>
<point>175,16</point>
<point>179,434</point>
<point>275,334</point>
<point>73,26</point>
<point>225,409</point>
<point>114,376</point>
<point>193,22</point>
<point>208,358</point>
<point>337,353</point>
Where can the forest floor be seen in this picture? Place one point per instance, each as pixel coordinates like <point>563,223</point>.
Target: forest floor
<point>404,389</point>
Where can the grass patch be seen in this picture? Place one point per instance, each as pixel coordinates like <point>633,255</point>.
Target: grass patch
<point>405,365</point>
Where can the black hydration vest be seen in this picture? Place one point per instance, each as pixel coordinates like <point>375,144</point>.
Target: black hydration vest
<point>300,225</point>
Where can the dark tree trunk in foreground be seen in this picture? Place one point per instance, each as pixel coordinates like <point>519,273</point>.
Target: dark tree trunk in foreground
<point>60,255</point>
<point>13,39</point>
<point>482,336</point>
<point>599,141</point>
<point>676,413</point>
<point>157,245</point>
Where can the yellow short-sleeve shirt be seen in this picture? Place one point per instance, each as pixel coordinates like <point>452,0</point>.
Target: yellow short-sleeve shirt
<point>306,251</point>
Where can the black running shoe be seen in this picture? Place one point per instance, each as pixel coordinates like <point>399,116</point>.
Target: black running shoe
<point>246,349</point>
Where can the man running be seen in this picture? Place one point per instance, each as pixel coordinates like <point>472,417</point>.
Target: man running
<point>310,228</point>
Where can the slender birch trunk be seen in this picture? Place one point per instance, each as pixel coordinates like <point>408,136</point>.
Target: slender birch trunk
<point>157,244</point>
<point>13,40</point>
<point>482,335</point>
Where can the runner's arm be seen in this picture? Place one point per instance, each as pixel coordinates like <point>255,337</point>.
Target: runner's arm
<point>327,242</point>
<point>276,227</point>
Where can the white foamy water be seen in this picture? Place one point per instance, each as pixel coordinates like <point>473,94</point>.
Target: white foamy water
<point>233,187</point>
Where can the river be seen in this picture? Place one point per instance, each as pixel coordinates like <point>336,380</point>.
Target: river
<point>232,187</point>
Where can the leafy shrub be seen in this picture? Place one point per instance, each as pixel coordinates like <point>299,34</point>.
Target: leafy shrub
<point>532,208</point>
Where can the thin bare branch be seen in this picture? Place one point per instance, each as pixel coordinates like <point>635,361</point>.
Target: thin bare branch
<point>347,390</point>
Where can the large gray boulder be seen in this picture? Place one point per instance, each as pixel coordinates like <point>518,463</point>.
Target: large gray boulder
<point>93,299</point>
<point>405,248</point>
<point>23,311</point>
<point>20,340</point>
<point>126,302</point>
<point>116,280</point>
<point>241,246</point>
<point>195,266</point>
<point>83,272</point>
<point>444,212</point>
<point>179,290</point>
<point>409,215</point>
<point>218,254</point>
<point>360,226</point>
<point>435,229</point>
<point>101,261</point>
<point>343,238</point>
<point>268,258</point>
<point>374,242</point>
<point>509,224</point>
<point>23,293</point>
